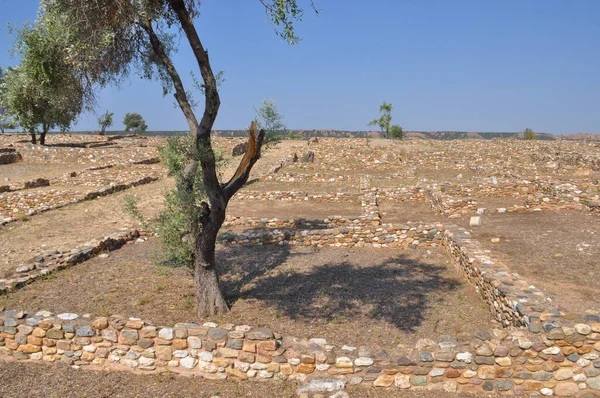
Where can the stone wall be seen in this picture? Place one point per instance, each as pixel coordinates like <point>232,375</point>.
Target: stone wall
<point>55,260</point>
<point>9,155</point>
<point>384,236</point>
<point>562,361</point>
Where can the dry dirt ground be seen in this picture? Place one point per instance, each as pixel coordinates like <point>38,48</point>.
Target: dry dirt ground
<point>73,225</point>
<point>371,297</point>
<point>557,251</point>
<point>20,380</point>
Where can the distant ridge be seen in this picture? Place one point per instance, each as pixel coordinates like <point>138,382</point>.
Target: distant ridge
<point>410,135</point>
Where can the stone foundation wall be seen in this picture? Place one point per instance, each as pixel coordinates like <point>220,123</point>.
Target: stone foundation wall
<point>40,203</point>
<point>561,362</point>
<point>384,236</point>
<point>9,155</point>
<point>52,261</point>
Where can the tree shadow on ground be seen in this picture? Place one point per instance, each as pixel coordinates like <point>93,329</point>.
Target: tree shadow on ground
<point>398,291</point>
<point>242,264</point>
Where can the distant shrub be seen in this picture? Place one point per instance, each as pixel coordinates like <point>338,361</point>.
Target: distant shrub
<point>396,132</point>
<point>529,135</point>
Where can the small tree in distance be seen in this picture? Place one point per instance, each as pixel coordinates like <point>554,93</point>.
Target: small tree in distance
<point>529,134</point>
<point>270,120</point>
<point>105,121</point>
<point>385,123</point>
<point>135,122</point>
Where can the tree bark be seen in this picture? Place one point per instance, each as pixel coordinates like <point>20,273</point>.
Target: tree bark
<point>43,134</point>
<point>209,299</point>
<point>33,139</point>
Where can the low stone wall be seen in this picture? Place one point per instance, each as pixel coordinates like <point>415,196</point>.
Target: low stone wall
<point>38,182</point>
<point>52,261</point>
<point>510,299</point>
<point>561,361</point>
<point>452,207</point>
<point>8,156</point>
<point>296,223</point>
<point>384,236</point>
<point>295,196</point>
<point>70,199</point>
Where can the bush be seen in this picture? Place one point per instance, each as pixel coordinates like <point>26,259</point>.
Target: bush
<point>396,132</point>
<point>529,135</point>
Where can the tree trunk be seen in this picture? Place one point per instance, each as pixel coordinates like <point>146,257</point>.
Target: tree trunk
<point>43,134</point>
<point>33,140</point>
<point>102,130</point>
<point>209,299</point>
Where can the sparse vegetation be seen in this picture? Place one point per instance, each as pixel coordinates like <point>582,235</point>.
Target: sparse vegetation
<point>529,135</point>
<point>270,120</point>
<point>384,123</point>
<point>105,121</point>
<point>135,122</point>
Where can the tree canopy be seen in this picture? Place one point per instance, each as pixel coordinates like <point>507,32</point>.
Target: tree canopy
<point>105,121</point>
<point>44,90</point>
<point>135,122</point>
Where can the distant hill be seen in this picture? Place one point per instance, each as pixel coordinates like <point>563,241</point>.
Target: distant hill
<point>410,135</point>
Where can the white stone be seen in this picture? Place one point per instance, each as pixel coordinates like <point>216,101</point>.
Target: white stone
<point>437,372</point>
<point>180,353</point>
<point>265,374</point>
<point>363,361</point>
<point>475,221</point>
<point>188,362</point>
<point>210,325</point>
<point>402,381</point>
<point>194,342</point>
<point>466,357</point>
<point>146,361</point>
<point>582,328</point>
<point>294,361</point>
<point>43,314</point>
<point>318,341</point>
<point>67,316</point>
<point>547,392</point>
<point>166,333</point>
<point>322,367</point>
<point>551,351</point>
<point>205,356</point>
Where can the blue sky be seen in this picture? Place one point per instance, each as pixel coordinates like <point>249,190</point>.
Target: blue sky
<point>467,65</point>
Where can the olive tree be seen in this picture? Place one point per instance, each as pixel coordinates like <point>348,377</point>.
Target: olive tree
<point>135,122</point>
<point>6,120</point>
<point>108,38</point>
<point>105,121</point>
<point>44,89</point>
